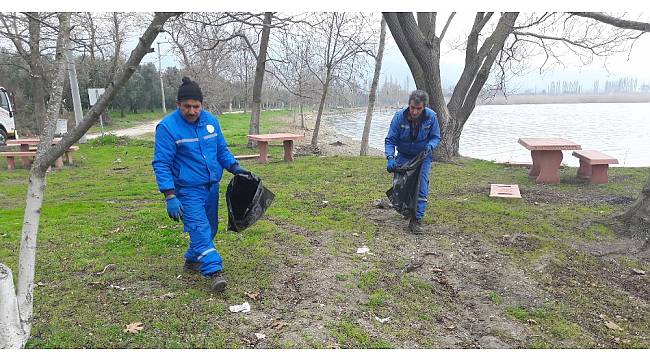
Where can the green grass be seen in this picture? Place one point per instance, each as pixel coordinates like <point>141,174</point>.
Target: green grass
<point>105,210</point>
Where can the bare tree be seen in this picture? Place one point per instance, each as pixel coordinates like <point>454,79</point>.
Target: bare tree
<point>16,305</point>
<point>343,39</point>
<point>639,213</point>
<point>507,43</point>
<point>30,34</point>
<point>256,110</point>
<point>373,89</point>
<point>289,64</point>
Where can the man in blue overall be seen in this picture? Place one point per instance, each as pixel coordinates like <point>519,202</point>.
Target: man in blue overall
<point>413,130</point>
<point>190,154</point>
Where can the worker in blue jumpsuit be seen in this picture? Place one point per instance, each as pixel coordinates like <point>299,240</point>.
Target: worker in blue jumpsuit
<point>190,154</point>
<point>413,130</point>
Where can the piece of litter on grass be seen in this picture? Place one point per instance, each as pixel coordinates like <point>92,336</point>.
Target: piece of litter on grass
<point>363,250</point>
<point>117,287</point>
<point>638,272</point>
<point>355,234</point>
<point>179,276</point>
<point>382,320</point>
<point>245,307</point>
<point>260,336</point>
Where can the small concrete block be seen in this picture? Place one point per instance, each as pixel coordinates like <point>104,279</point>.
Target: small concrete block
<point>505,191</point>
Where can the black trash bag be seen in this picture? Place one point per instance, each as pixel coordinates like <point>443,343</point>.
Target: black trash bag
<point>406,185</point>
<point>247,200</point>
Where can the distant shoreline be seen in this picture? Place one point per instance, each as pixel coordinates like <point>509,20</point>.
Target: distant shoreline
<point>566,99</point>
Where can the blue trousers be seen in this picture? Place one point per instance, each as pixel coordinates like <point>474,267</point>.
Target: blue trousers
<point>201,220</point>
<point>424,181</point>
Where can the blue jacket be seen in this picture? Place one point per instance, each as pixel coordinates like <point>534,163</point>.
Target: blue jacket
<point>187,154</point>
<point>399,134</point>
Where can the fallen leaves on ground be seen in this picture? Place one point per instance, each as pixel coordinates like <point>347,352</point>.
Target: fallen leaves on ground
<point>134,328</point>
<point>116,230</point>
<point>253,295</point>
<point>278,324</point>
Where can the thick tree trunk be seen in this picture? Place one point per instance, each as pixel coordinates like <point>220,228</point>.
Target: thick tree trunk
<point>321,106</point>
<point>12,334</point>
<point>45,157</point>
<point>254,127</point>
<point>421,48</point>
<point>639,212</point>
<point>36,187</point>
<point>373,90</point>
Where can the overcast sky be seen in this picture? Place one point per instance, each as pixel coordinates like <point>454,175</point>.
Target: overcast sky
<point>633,64</point>
<point>637,65</point>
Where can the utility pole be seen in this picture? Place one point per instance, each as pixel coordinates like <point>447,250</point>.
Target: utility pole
<point>74,87</point>
<point>162,87</point>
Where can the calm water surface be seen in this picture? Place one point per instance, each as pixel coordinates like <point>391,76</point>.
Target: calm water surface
<point>621,130</point>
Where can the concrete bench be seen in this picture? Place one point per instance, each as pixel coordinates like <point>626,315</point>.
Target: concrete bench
<point>27,157</point>
<point>263,144</point>
<point>594,165</point>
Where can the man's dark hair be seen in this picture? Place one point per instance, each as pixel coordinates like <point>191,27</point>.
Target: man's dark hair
<point>419,97</point>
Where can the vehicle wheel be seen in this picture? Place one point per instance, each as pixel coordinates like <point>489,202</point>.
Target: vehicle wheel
<point>3,137</point>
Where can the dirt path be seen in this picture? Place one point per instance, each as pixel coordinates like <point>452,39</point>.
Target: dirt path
<point>139,130</point>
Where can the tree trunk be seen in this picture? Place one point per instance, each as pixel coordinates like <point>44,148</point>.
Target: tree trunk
<point>24,294</point>
<point>36,71</point>
<point>373,90</point>
<point>302,116</point>
<point>46,154</point>
<point>420,47</point>
<point>12,335</point>
<point>321,105</point>
<point>254,128</point>
<point>639,212</point>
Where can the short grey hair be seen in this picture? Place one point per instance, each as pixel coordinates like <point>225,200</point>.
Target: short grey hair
<point>419,97</point>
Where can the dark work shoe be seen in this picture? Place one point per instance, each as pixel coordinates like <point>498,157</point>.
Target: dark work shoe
<point>218,282</point>
<point>191,266</point>
<point>415,226</point>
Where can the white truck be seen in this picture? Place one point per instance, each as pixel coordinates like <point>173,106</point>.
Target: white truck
<point>7,114</point>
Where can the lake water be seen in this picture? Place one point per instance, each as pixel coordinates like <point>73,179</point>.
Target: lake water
<point>621,130</point>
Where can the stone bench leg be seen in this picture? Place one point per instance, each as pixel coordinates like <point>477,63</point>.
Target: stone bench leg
<point>263,146</point>
<point>11,163</point>
<point>549,162</point>
<point>59,162</point>
<point>68,155</point>
<point>599,174</point>
<point>584,171</point>
<point>288,150</point>
<point>534,169</point>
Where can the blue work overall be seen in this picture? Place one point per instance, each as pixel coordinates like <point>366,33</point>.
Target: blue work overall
<point>408,146</point>
<point>189,158</point>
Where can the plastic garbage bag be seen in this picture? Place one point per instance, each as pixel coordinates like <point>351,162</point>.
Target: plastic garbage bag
<point>247,200</point>
<point>403,195</point>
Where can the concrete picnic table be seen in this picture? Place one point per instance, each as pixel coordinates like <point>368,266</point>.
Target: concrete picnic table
<point>547,157</point>
<point>263,144</point>
<point>25,144</point>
